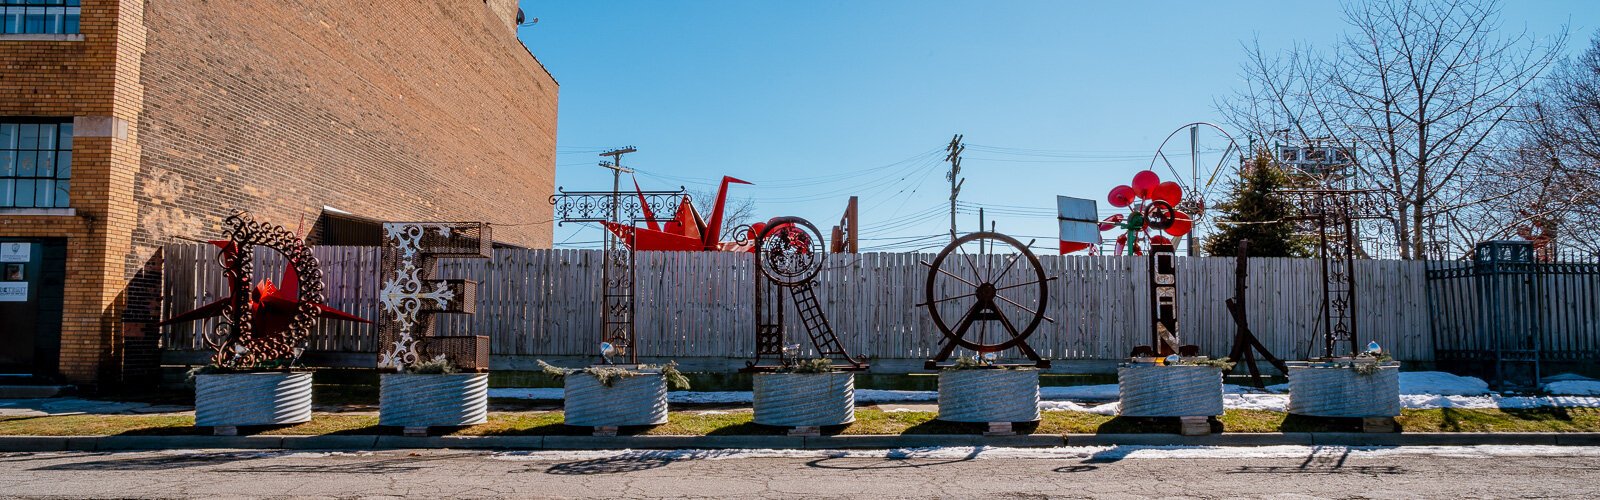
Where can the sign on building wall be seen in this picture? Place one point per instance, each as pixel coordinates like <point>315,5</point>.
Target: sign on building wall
<point>15,252</point>
<point>13,291</point>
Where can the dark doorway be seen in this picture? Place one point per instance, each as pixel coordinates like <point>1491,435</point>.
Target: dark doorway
<point>32,281</point>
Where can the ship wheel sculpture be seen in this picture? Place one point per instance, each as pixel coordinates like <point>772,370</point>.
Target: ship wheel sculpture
<point>986,278</point>
<point>790,252</point>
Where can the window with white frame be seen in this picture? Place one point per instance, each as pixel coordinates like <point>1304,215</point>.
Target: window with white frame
<point>35,163</point>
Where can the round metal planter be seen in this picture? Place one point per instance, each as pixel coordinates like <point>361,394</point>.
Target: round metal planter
<point>989,395</point>
<point>805,399</point>
<point>430,400</point>
<point>238,399</point>
<point>1170,391</point>
<point>1339,391</point>
<point>636,400</point>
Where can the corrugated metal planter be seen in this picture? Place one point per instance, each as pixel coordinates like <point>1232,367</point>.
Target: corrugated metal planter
<point>805,399</point>
<point>989,395</point>
<point>1339,391</point>
<point>1170,391</point>
<point>636,400</point>
<point>237,399</point>
<point>433,400</point>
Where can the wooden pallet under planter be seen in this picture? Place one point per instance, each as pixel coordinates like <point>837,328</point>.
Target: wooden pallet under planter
<point>992,395</point>
<point>229,400</point>
<point>805,399</point>
<point>636,400</point>
<point>418,401</point>
<point>1337,390</point>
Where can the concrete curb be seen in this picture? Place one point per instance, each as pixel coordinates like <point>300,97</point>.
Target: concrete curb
<point>351,442</point>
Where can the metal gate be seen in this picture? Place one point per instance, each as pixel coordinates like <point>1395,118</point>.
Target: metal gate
<point>1504,315</point>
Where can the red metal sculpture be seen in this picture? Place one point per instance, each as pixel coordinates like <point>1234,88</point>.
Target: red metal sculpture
<point>686,231</point>
<point>1151,205</point>
<point>265,321</point>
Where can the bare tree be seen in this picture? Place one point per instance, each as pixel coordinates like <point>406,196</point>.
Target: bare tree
<point>1417,90</point>
<point>1546,179</point>
<point>736,211</point>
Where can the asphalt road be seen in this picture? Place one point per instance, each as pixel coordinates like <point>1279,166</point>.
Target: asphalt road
<point>1116,472</point>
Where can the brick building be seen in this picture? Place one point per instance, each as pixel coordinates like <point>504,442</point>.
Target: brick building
<point>129,124</point>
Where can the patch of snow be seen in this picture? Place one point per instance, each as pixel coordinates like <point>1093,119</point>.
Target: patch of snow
<point>1268,402</point>
<point>900,410</point>
<point>1102,392</point>
<point>1574,387</point>
<point>1278,389</point>
<point>1442,384</point>
<point>1103,409</point>
<point>1565,377</point>
<point>1431,401</point>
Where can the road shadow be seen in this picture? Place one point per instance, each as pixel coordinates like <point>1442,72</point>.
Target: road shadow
<point>159,462</point>
<point>894,460</point>
<point>363,466</point>
<point>1325,460</point>
<point>626,462</point>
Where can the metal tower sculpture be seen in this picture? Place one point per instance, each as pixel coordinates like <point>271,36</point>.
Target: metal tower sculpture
<point>411,295</point>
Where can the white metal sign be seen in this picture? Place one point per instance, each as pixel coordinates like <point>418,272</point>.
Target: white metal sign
<point>13,291</point>
<point>15,251</point>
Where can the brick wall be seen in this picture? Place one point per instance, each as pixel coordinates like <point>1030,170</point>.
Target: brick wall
<point>397,110</point>
<point>85,79</point>
<point>189,109</point>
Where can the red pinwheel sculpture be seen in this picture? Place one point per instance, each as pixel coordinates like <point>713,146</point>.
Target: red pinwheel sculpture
<point>1151,205</point>
<point>264,322</point>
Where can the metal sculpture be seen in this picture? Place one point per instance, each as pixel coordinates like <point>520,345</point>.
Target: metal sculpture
<point>789,255</point>
<point>1200,184</point>
<point>1163,271</point>
<point>263,322</point>
<point>616,272</point>
<point>956,280</point>
<point>846,235</point>
<point>410,294</point>
<point>1152,206</point>
<point>1329,215</point>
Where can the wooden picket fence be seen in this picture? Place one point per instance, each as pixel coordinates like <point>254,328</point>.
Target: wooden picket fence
<point>699,305</point>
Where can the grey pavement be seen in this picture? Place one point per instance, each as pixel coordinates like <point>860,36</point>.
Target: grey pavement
<point>40,407</point>
<point>1104,472</point>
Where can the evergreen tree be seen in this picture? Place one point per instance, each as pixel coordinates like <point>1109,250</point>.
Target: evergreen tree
<point>1253,212</point>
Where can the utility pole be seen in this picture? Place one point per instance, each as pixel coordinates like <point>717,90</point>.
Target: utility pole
<point>616,272</point>
<point>954,157</point>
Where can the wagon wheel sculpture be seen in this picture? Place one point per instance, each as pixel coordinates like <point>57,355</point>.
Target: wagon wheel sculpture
<point>974,295</point>
<point>790,252</point>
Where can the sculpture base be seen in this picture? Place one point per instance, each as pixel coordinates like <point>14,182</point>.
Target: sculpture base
<point>989,395</point>
<point>241,399</point>
<point>433,400</point>
<point>804,399</point>
<point>1150,390</point>
<point>635,400</point>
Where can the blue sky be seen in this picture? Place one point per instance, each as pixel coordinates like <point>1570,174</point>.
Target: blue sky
<point>816,101</point>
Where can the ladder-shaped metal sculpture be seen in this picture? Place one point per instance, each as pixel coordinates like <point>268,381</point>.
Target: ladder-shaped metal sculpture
<point>816,323</point>
<point>789,254</point>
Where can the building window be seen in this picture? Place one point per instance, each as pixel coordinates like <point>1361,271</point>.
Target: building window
<point>39,17</point>
<point>35,163</point>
